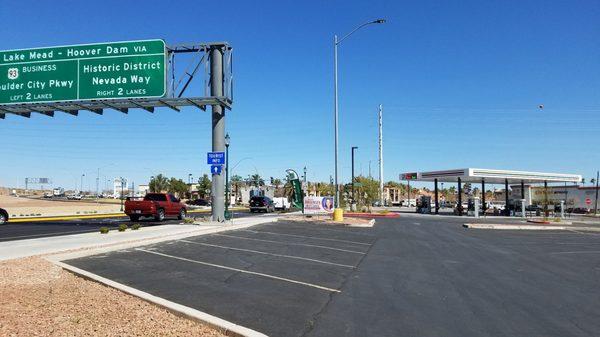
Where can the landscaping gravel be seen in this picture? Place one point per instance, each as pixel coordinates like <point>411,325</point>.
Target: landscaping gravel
<point>38,298</point>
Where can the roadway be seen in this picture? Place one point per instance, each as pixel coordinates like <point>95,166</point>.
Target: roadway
<point>40,229</point>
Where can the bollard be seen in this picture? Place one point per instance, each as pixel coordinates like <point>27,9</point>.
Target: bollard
<point>562,209</point>
<point>476,207</point>
<point>523,213</point>
<point>338,215</point>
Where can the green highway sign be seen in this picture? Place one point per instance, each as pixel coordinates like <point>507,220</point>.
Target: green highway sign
<point>114,70</point>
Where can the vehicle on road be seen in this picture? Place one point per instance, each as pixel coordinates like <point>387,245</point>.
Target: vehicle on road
<point>74,197</point>
<point>156,205</point>
<point>261,204</point>
<point>198,202</point>
<point>3,216</point>
<point>58,192</point>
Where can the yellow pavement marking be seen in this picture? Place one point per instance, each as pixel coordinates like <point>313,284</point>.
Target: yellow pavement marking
<point>93,216</point>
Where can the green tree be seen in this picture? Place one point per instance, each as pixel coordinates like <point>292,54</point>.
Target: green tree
<point>178,187</point>
<point>204,186</point>
<point>368,192</point>
<point>159,184</point>
<point>288,190</point>
<point>277,183</point>
<point>324,189</point>
<point>256,180</point>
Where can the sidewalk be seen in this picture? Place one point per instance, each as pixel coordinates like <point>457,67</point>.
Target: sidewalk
<point>119,240</point>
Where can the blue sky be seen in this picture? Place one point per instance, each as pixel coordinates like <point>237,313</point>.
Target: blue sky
<point>460,83</point>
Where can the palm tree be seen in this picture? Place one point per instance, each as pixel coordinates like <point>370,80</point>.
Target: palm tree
<point>159,183</point>
<point>256,180</point>
<point>276,183</point>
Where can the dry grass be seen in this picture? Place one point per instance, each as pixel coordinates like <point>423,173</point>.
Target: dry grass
<point>25,206</point>
<point>38,298</point>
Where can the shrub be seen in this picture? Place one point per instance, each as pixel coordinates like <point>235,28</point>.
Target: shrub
<point>385,211</point>
<point>136,226</point>
<point>103,230</point>
<point>189,220</point>
<point>122,227</point>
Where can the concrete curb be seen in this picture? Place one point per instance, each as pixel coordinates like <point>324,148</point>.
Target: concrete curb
<point>369,225</point>
<point>229,327</point>
<point>530,227</point>
<point>372,215</point>
<point>216,322</point>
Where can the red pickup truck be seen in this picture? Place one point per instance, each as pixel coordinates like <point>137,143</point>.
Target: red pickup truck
<point>157,205</point>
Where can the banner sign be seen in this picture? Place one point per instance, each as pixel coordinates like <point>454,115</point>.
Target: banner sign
<point>317,205</point>
<point>130,69</point>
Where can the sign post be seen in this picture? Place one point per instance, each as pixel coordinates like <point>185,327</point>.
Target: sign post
<point>114,70</point>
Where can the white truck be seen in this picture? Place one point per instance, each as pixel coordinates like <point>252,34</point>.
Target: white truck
<point>58,192</point>
<point>281,203</point>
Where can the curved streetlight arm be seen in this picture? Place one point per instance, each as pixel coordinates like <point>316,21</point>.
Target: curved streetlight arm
<point>359,27</point>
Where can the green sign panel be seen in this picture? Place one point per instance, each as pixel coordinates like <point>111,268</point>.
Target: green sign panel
<point>131,69</point>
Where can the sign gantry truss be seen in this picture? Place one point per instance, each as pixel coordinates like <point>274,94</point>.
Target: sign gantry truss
<point>176,87</point>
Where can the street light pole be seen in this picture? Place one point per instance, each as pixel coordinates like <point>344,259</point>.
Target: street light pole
<point>336,42</point>
<point>81,187</point>
<point>353,195</point>
<point>227,198</point>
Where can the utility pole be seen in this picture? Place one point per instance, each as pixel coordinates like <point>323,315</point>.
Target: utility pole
<point>381,201</point>
<point>370,176</point>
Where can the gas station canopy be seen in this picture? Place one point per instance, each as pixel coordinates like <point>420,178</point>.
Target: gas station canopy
<point>477,175</point>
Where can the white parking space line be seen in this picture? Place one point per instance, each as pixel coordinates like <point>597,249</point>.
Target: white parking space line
<point>265,253</point>
<point>341,230</point>
<point>307,237</point>
<point>241,271</point>
<point>290,243</point>
<point>578,252</point>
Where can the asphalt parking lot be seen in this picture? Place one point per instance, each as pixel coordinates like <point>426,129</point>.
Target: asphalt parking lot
<point>411,276</point>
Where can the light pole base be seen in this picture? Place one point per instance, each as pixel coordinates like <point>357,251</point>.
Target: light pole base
<point>338,215</point>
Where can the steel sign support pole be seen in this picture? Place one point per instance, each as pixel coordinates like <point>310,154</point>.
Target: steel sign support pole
<point>546,212</point>
<point>437,205</point>
<point>218,131</point>
<point>483,204</point>
<point>459,206</point>
<point>506,208</point>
